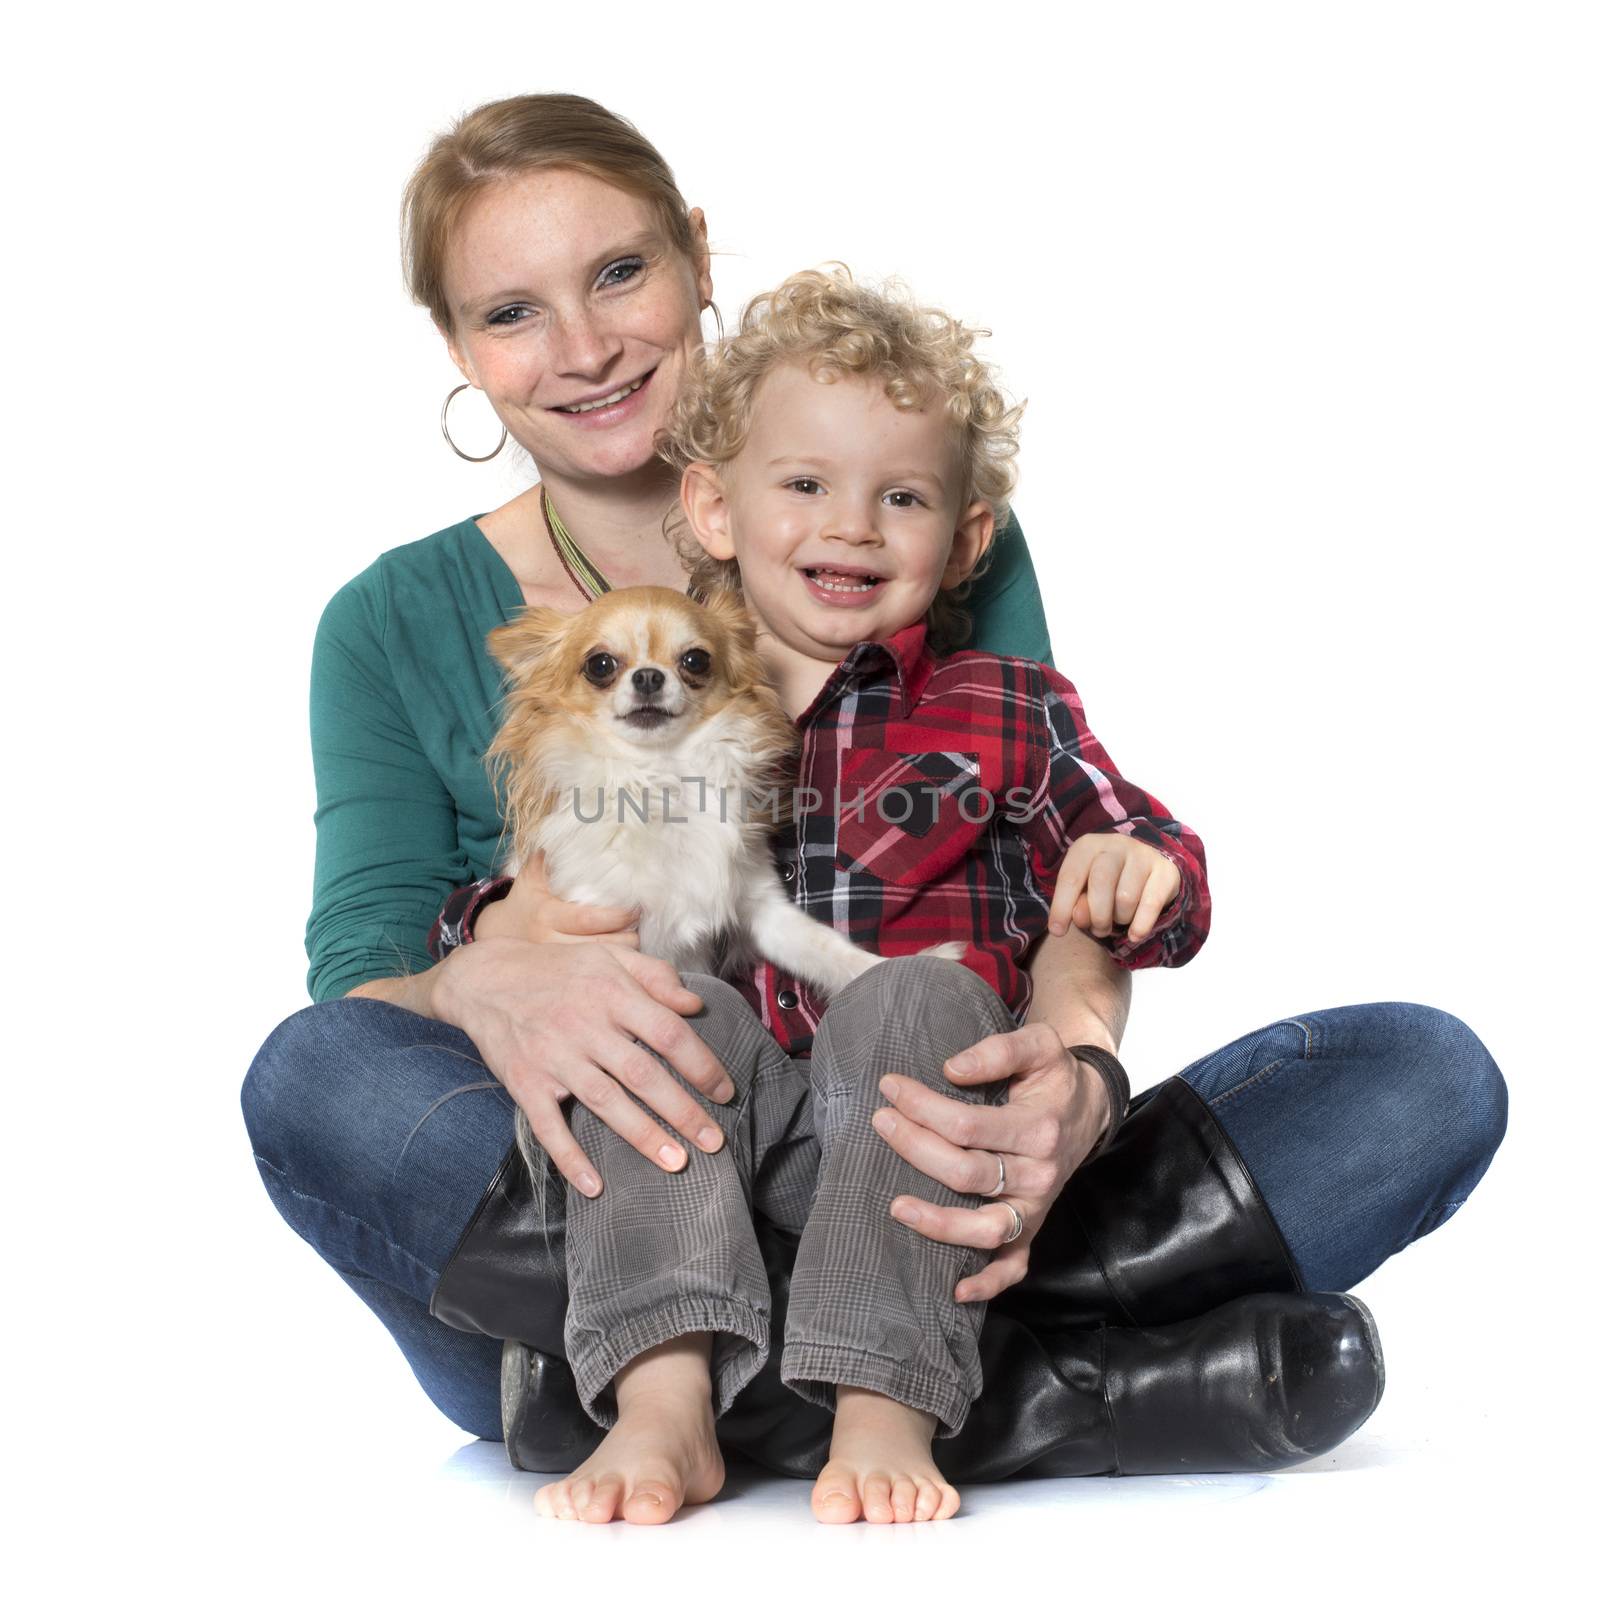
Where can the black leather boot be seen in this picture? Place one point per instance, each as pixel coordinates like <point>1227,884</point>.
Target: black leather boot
<point>1165,1222</point>
<point>1262,1382</point>
<point>507,1275</point>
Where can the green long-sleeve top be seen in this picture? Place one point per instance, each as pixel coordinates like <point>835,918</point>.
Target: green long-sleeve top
<point>404,701</point>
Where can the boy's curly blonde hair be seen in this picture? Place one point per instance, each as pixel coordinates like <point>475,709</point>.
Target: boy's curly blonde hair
<point>840,327</point>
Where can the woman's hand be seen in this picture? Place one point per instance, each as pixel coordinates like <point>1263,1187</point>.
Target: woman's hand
<point>1108,879</point>
<point>1058,1108</point>
<point>567,1018</point>
<point>530,911</point>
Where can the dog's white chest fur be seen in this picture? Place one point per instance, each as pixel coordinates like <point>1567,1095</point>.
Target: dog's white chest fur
<point>661,831</point>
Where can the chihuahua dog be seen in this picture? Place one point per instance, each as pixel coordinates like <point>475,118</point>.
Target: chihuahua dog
<point>645,752</point>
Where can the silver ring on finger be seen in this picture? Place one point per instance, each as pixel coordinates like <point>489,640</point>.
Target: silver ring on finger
<point>1000,1182</point>
<point>1016,1232</point>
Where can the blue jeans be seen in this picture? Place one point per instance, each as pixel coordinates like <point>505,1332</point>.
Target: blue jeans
<point>376,1132</point>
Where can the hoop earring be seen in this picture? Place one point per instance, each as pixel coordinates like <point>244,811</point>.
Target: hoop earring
<point>444,428</point>
<point>718,315</point>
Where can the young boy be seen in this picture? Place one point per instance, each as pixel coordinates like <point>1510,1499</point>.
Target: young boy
<point>846,460</point>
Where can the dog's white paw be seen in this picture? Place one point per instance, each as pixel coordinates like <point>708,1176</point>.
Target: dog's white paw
<point>951,950</point>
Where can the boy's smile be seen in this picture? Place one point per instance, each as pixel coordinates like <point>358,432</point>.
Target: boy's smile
<point>842,512</point>
<point>842,586</point>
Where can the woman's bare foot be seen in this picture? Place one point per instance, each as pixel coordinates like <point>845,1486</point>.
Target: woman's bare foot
<point>881,1464</point>
<point>663,1452</point>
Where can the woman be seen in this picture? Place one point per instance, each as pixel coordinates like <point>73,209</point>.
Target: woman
<point>1225,1210</point>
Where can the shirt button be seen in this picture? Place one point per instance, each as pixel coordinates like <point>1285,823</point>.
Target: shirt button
<point>786,872</point>
<point>788,999</point>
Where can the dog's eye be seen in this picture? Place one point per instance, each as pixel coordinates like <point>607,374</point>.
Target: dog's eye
<point>697,663</point>
<point>600,669</point>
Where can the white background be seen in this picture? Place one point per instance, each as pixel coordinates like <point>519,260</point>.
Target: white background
<point>1302,299</point>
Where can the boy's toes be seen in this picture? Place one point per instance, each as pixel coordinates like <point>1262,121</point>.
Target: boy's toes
<point>843,1495</point>
<point>875,1497</point>
<point>651,1501</point>
<point>555,1500</point>
<point>903,1497</point>
<point>834,1499</point>
<point>597,1501</point>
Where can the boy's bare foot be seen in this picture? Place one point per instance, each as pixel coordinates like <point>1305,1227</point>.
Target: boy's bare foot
<point>880,1464</point>
<point>663,1452</point>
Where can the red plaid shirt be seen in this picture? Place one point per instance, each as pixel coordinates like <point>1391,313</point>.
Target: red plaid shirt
<point>947,790</point>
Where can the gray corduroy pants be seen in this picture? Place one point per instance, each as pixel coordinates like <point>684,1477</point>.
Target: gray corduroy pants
<point>659,1254</point>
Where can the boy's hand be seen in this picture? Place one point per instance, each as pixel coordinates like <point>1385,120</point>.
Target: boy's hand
<point>1108,876</point>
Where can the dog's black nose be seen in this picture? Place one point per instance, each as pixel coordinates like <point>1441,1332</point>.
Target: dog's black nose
<point>648,680</point>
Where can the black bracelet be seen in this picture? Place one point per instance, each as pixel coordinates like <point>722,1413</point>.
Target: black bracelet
<point>1116,1081</point>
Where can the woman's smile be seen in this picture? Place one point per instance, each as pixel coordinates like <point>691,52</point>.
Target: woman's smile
<point>619,404</point>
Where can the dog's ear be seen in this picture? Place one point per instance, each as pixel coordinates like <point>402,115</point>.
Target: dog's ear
<point>737,623</point>
<point>518,645</point>
<point>727,606</point>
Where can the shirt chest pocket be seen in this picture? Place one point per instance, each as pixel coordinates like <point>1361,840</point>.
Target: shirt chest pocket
<point>909,817</point>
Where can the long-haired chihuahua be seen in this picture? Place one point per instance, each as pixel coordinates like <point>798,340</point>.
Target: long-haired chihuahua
<point>645,752</point>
